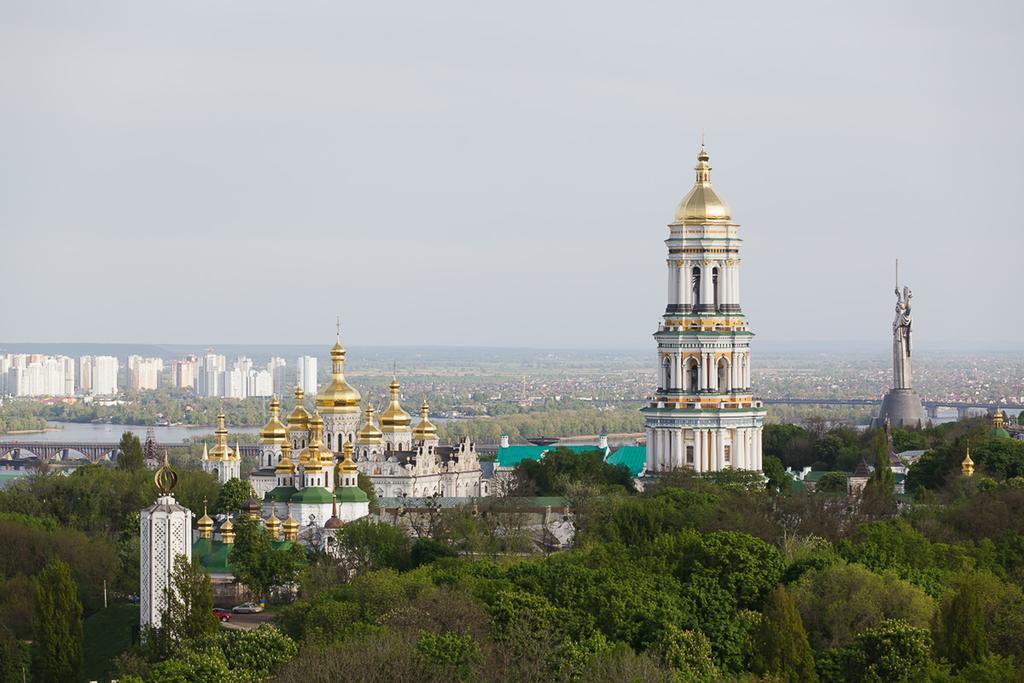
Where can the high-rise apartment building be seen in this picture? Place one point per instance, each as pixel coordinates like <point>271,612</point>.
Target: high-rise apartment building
<point>278,368</point>
<point>305,367</point>
<point>144,373</point>
<point>37,375</point>
<point>104,375</point>
<point>185,371</point>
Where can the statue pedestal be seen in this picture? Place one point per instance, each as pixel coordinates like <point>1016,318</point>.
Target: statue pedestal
<point>903,409</point>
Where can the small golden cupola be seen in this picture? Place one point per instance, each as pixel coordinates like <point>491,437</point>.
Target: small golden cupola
<point>298,419</point>
<point>205,524</point>
<point>967,466</point>
<point>702,204</point>
<point>394,420</point>
<point>368,434</point>
<point>221,450</point>
<point>310,457</point>
<point>291,526</point>
<point>425,430</point>
<point>338,397</point>
<point>285,466</point>
<point>227,531</point>
<point>274,524</point>
<point>274,432</point>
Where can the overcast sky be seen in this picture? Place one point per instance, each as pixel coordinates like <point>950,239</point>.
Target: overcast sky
<point>502,173</point>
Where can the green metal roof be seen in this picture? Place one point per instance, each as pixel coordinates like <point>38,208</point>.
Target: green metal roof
<point>634,458</point>
<point>280,494</point>
<point>510,456</point>
<point>351,494</point>
<point>313,494</point>
<point>212,555</point>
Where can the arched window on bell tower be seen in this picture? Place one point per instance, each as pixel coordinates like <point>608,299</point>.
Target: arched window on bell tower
<point>714,286</point>
<point>723,375</point>
<point>695,285</point>
<point>666,372</point>
<point>693,372</point>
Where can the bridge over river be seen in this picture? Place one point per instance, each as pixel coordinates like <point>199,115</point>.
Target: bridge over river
<point>962,408</point>
<point>78,453</point>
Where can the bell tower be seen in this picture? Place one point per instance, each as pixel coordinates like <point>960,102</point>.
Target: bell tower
<point>703,415</point>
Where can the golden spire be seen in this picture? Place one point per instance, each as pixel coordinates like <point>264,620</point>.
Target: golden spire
<point>967,466</point>
<point>338,397</point>
<point>394,419</point>
<point>205,523</point>
<point>221,450</point>
<point>997,419</point>
<point>298,419</point>
<point>273,523</point>
<point>227,531</point>
<point>368,434</point>
<point>347,464</point>
<point>425,429</point>
<point>291,526</point>
<point>285,464</point>
<point>274,432</point>
<point>206,452</point>
<point>702,204</point>
<point>165,478</point>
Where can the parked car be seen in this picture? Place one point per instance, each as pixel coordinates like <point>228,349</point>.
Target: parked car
<point>247,608</point>
<point>221,614</point>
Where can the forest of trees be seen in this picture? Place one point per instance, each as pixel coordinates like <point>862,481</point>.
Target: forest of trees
<point>697,578</point>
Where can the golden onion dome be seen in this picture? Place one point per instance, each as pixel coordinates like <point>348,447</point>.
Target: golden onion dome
<point>967,466</point>
<point>221,450</point>
<point>273,525</point>
<point>298,419</point>
<point>291,526</point>
<point>274,431</point>
<point>368,434</point>
<point>425,430</point>
<point>338,396</point>
<point>227,531</point>
<point>285,464</point>
<point>205,524</point>
<point>394,419</point>
<point>702,204</point>
<point>347,465</point>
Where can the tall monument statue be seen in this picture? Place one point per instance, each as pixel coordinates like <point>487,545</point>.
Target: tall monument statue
<point>165,530</point>
<point>901,340</point>
<point>901,405</point>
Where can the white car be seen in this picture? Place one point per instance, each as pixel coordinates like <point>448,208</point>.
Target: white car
<point>247,608</point>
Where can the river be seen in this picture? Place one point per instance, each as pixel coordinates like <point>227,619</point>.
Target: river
<point>87,432</point>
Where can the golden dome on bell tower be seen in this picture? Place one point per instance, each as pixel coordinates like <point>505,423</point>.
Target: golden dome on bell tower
<point>368,434</point>
<point>338,396</point>
<point>394,419</point>
<point>425,430</point>
<point>702,204</point>
<point>298,419</point>
<point>274,432</point>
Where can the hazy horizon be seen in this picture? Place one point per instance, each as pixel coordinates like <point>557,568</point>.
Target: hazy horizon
<point>456,175</point>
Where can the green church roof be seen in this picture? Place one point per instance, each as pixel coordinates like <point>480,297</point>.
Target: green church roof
<point>352,494</point>
<point>312,494</point>
<point>280,494</point>
<point>633,458</point>
<point>510,456</point>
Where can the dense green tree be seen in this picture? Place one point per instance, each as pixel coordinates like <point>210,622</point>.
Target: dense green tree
<point>832,482</point>
<point>130,456</point>
<point>233,494</point>
<point>775,472</point>
<point>686,652</point>
<point>880,491</point>
<point>259,563</point>
<point>560,467</point>
<point>841,600</point>
<point>365,545</point>
<point>780,644</point>
<point>187,620</point>
<point>1001,458</point>
<point>892,651</point>
<point>960,629</point>
<point>258,653</point>
<point>56,625</point>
